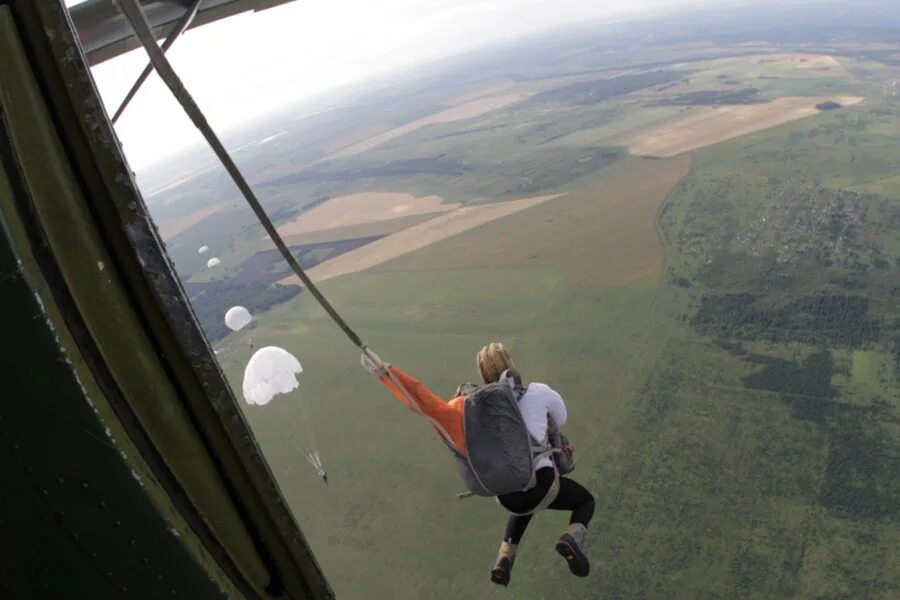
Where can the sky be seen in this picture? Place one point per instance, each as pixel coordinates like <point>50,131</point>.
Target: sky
<point>241,68</point>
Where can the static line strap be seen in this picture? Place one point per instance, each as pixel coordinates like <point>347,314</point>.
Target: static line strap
<point>375,366</point>
<point>135,16</point>
<point>176,32</point>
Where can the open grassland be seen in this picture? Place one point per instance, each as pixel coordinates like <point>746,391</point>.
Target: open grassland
<point>392,482</point>
<point>603,233</point>
<point>704,127</point>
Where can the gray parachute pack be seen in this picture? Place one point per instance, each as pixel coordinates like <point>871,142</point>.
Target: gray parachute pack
<point>501,452</point>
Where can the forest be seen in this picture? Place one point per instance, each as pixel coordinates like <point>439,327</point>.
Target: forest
<point>831,320</point>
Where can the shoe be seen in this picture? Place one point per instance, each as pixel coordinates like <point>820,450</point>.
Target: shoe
<point>571,547</point>
<point>502,570</point>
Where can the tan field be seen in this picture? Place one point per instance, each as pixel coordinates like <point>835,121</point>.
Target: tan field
<point>480,92</point>
<point>601,234</point>
<point>365,207</point>
<point>385,227</point>
<point>704,127</point>
<point>169,228</point>
<point>354,137</point>
<point>466,110</point>
<point>418,236</point>
<point>803,61</point>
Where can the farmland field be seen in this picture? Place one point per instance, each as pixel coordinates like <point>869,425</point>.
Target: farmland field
<point>705,127</point>
<point>601,234</point>
<point>704,262</point>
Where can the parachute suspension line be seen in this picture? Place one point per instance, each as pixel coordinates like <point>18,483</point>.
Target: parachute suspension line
<point>310,433</point>
<point>309,430</point>
<point>135,15</point>
<point>176,32</point>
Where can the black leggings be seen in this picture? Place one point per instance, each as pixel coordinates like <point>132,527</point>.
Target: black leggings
<point>572,496</point>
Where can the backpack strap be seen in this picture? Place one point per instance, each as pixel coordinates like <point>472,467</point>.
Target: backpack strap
<point>538,451</point>
<point>514,379</point>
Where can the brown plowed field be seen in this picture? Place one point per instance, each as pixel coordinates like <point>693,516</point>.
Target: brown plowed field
<point>602,234</point>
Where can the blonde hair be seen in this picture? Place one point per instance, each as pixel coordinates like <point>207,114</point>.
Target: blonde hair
<point>492,360</point>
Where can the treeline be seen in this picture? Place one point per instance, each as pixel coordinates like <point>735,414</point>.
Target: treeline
<point>213,300</point>
<point>713,97</point>
<point>821,319</point>
<point>812,378</point>
<point>433,165</point>
<point>600,90</point>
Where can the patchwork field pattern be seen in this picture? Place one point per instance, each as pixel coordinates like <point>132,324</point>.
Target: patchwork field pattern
<point>601,234</point>
<point>722,319</point>
<point>418,236</point>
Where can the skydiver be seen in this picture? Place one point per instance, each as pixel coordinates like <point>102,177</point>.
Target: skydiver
<point>324,475</point>
<point>537,403</point>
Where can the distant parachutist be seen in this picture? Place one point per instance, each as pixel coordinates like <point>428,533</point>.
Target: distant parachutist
<point>316,462</point>
<point>272,371</point>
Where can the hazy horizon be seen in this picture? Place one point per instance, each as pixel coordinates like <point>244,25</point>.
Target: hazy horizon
<point>311,51</point>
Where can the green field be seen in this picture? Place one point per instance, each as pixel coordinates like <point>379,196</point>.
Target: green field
<point>392,482</point>
<point>734,410</point>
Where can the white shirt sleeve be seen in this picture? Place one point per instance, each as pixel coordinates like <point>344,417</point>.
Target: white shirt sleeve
<point>556,408</point>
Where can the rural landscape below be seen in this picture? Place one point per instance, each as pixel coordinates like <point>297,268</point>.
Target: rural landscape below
<point>692,233</point>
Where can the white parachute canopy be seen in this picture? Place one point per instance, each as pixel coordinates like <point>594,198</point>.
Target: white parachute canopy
<point>271,371</point>
<point>213,262</point>
<point>203,249</point>
<point>237,318</point>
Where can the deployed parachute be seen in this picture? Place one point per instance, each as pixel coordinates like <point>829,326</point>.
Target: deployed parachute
<point>203,249</point>
<point>270,371</point>
<point>213,262</point>
<point>237,318</point>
